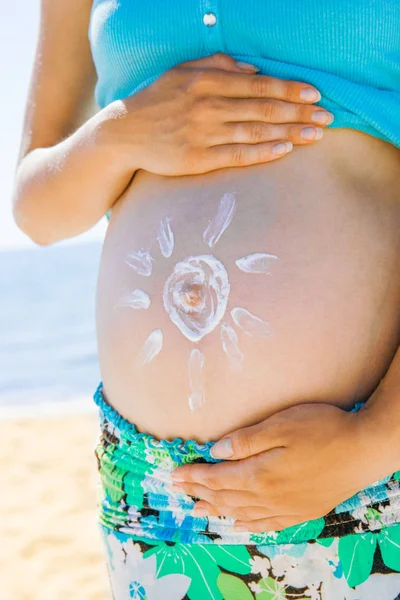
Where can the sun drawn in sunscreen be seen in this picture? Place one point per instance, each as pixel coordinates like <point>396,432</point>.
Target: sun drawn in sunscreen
<point>196,295</point>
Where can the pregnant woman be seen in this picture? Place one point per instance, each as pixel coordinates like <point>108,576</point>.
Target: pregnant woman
<point>245,297</point>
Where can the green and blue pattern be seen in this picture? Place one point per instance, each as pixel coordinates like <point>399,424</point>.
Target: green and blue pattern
<point>157,550</point>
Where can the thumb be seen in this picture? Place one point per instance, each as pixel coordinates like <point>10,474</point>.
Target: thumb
<point>221,61</point>
<point>249,441</point>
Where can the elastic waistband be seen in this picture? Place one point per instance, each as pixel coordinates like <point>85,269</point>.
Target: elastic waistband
<point>179,449</point>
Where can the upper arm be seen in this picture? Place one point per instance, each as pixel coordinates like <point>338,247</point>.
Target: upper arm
<point>61,90</point>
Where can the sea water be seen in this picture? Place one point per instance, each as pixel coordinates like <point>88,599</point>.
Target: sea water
<point>48,354</point>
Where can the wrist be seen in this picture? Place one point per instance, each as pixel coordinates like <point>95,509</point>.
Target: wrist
<point>379,433</point>
<point>109,131</point>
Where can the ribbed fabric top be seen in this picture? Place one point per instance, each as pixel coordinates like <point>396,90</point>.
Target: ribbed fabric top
<point>348,49</point>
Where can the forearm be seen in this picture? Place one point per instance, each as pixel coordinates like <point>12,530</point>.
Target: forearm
<point>382,413</point>
<point>64,190</point>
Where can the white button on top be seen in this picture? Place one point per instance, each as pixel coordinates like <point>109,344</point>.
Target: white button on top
<point>209,19</point>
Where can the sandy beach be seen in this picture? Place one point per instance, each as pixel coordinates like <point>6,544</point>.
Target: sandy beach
<point>50,548</point>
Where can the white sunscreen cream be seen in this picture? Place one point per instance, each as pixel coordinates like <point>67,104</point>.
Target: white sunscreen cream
<point>259,262</point>
<point>196,294</point>
<point>135,299</point>
<point>140,262</point>
<point>165,237</point>
<point>229,340</point>
<point>196,364</point>
<point>216,227</point>
<point>152,346</point>
<point>249,323</point>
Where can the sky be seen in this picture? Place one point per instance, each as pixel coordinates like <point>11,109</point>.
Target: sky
<point>18,35</point>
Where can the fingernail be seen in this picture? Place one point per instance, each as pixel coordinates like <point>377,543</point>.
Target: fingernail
<point>282,148</point>
<point>240,528</point>
<point>323,117</point>
<point>312,133</point>
<point>200,512</point>
<point>177,478</point>
<point>247,66</point>
<point>310,95</point>
<point>222,449</point>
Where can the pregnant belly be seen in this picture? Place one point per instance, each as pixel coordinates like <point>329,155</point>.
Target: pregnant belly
<point>225,297</point>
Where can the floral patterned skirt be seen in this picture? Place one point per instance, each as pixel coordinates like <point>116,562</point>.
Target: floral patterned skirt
<point>157,550</point>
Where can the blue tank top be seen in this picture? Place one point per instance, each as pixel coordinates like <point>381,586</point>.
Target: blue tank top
<point>348,49</point>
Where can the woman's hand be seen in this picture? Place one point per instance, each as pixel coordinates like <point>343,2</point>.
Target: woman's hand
<point>295,466</point>
<point>208,114</point>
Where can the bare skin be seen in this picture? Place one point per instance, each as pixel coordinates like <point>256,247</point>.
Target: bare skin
<point>330,212</point>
